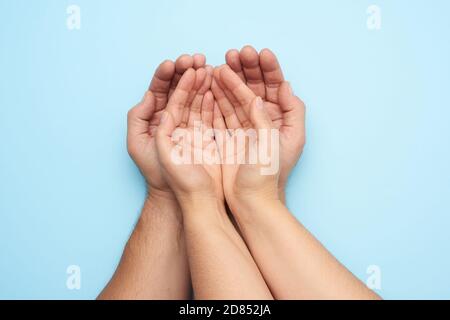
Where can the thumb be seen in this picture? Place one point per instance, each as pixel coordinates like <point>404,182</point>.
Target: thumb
<point>292,107</point>
<point>258,114</point>
<point>140,115</point>
<point>164,144</point>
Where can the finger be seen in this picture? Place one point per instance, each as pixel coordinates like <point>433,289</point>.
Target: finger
<point>199,61</point>
<point>154,121</point>
<point>207,79</point>
<point>203,83</point>
<point>275,113</point>
<point>234,61</point>
<point>207,114</point>
<point>273,76</point>
<point>226,108</point>
<point>259,116</point>
<point>140,115</point>
<point>183,63</point>
<point>181,94</point>
<point>218,118</point>
<point>250,62</point>
<point>292,107</point>
<point>164,144</point>
<point>160,84</point>
<point>220,129</point>
<point>209,70</point>
<point>238,109</point>
<point>231,81</point>
<point>194,103</point>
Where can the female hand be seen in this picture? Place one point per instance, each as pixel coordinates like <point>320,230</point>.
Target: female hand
<point>184,159</point>
<point>249,153</point>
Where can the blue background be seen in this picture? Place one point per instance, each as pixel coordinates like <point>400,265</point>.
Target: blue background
<point>373,183</point>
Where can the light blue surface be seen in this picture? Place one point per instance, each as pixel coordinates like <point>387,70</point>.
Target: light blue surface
<point>374,181</point>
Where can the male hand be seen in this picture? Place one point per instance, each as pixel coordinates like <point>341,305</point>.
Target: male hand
<point>144,118</point>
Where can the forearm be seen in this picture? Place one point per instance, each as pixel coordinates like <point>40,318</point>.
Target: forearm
<point>221,266</point>
<point>154,263</point>
<point>294,264</point>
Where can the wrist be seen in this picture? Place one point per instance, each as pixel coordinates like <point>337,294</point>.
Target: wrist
<point>202,209</point>
<point>162,205</point>
<point>251,208</point>
<point>194,200</point>
<point>242,197</point>
<point>160,196</point>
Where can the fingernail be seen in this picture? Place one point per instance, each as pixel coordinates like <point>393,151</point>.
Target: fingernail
<point>145,96</point>
<point>259,103</point>
<point>163,117</point>
<point>290,88</point>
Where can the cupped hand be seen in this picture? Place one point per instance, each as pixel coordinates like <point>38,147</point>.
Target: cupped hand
<point>145,117</point>
<point>190,165</point>
<point>247,139</point>
<point>263,75</point>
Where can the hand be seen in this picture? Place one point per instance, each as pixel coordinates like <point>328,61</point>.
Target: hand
<point>190,108</point>
<point>242,177</point>
<point>262,74</point>
<point>145,117</point>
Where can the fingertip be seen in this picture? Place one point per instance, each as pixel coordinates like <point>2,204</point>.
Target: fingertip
<point>247,48</point>
<point>232,53</point>
<point>249,56</point>
<point>190,73</point>
<point>285,89</point>
<point>287,99</point>
<point>200,76</point>
<point>148,97</point>
<point>268,60</point>
<point>165,70</point>
<point>166,124</point>
<point>232,59</point>
<point>145,96</point>
<point>216,73</point>
<point>164,116</point>
<point>259,115</point>
<point>199,60</point>
<point>201,72</point>
<point>266,52</point>
<point>224,70</point>
<point>187,81</point>
<point>209,69</point>
<point>228,78</point>
<point>183,63</point>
